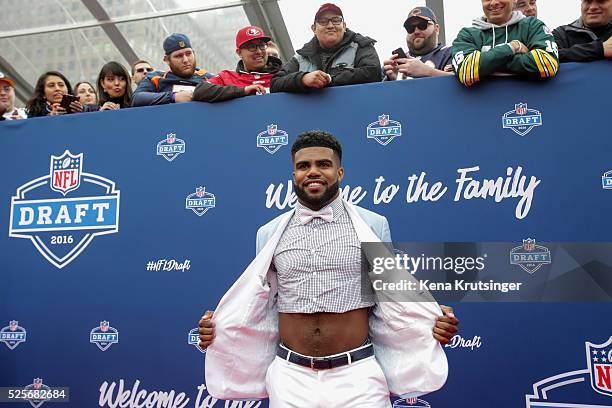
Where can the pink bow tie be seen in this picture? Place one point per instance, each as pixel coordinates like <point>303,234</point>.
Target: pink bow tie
<point>306,215</point>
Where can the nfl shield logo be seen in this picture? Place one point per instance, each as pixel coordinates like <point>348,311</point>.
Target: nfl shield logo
<point>600,366</point>
<point>36,385</point>
<point>104,336</point>
<point>201,201</point>
<point>521,120</point>
<point>529,256</point>
<point>170,147</point>
<point>65,172</point>
<point>384,130</point>
<point>272,139</point>
<point>411,402</point>
<point>520,109</point>
<point>13,335</point>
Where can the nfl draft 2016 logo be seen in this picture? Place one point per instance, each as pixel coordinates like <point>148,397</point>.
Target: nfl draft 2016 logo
<point>412,402</point>
<point>578,384</point>
<point>606,180</point>
<point>104,336</point>
<point>13,334</point>
<point>530,256</point>
<point>272,139</point>
<point>200,201</point>
<point>193,338</point>
<point>62,212</point>
<point>170,147</point>
<point>37,385</point>
<point>599,357</point>
<point>384,130</point>
<point>521,120</point>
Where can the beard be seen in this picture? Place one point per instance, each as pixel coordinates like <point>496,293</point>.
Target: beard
<point>320,201</point>
<point>178,69</point>
<point>428,44</point>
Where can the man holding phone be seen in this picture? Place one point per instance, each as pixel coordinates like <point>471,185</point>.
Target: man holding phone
<point>427,56</point>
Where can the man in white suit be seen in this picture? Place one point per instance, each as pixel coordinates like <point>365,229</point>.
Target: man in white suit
<point>295,328</point>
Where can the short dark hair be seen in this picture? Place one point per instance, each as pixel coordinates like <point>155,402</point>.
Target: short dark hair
<point>316,138</point>
<point>139,62</point>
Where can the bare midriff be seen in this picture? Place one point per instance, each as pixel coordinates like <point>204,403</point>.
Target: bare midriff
<point>323,334</point>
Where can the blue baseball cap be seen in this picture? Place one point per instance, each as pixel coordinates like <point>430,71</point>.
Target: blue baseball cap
<point>420,13</point>
<point>175,42</point>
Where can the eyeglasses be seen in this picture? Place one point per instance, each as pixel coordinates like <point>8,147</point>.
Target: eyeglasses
<point>421,25</point>
<point>142,69</point>
<point>325,21</point>
<point>252,47</point>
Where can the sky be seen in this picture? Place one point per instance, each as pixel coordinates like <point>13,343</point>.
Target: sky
<point>383,19</point>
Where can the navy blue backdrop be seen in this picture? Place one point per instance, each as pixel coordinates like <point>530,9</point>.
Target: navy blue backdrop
<point>78,273</point>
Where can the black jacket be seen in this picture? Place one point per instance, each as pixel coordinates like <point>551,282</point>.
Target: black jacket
<point>579,43</point>
<point>366,65</point>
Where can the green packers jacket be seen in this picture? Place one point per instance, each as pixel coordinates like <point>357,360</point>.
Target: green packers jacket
<point>485,49</point>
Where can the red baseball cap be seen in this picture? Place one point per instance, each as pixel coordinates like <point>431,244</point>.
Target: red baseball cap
<point>328,7</point>
<point>249,33</point>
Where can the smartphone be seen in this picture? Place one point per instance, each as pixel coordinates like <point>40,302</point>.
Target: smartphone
<point>67,100</point>
<point>400,53</point>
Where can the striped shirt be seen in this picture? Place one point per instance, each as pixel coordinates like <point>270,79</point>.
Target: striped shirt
<point>318,264</point>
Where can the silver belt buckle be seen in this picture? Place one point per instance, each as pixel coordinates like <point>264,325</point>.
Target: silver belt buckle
<point>312,363</point>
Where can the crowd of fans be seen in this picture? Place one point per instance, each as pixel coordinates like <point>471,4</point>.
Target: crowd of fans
<point>508,40</point>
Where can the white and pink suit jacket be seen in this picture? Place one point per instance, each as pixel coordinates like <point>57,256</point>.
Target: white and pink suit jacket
<point>246,322</point>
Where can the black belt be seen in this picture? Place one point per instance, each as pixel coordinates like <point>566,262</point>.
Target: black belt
<point>325,363</point>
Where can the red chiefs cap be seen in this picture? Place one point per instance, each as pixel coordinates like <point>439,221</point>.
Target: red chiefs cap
<point>249,33</point>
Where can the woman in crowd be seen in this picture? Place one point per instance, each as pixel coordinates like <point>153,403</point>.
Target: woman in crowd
<point>114,87</point>
<point>48,93</point>
<point>86,93</point>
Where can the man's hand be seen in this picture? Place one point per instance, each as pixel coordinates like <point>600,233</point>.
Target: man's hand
<point>414,67</point>
<point>254,89</point>
<point>182,96</point>
<point>607,45</point>
<point>316,79</point>
<point>446,326</point>
<point>206,330</point>
<point>518,47</point>
<point>390,67</point>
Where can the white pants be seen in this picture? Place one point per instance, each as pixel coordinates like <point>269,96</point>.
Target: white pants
<point>361,384</point>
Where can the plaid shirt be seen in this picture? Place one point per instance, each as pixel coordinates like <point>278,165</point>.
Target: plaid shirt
<point>319,264</point>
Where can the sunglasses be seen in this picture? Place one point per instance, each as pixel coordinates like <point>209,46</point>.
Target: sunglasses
<point>141,70</point>
<point>421,25</point>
